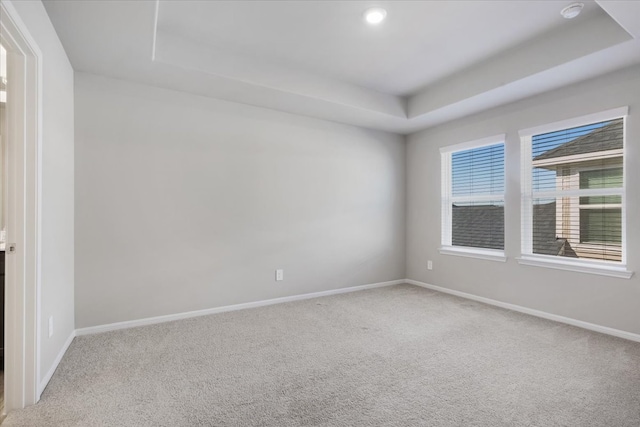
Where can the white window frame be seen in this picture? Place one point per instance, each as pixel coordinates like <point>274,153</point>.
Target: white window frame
<point>607,268</point>
<point>447,199</point>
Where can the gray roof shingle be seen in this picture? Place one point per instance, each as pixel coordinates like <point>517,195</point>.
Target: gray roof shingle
<point>606,138</point>
<point>482,226</point>
<point>478,226</point>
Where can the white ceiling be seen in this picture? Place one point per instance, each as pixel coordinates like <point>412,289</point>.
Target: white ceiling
<point>419,43</point>
<point>429,62</point>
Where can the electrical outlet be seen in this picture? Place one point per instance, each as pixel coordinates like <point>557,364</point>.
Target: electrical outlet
<point>50,326</point>
<point>429,265</point>
<point>279,275</point>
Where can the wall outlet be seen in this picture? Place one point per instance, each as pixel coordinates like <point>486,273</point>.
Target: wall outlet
<point>429,265</point>
<point>50,326</point>
<point>279,275</point>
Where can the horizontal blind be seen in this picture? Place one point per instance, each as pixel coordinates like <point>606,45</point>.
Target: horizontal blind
<point>577,185</point>
<point>477,197</point>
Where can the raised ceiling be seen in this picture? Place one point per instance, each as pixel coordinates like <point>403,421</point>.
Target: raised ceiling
<point>419,43</point>
<point>429,62</point>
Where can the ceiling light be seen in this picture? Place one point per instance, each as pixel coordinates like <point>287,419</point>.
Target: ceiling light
<point>375,15</point>
<point>572,10</point>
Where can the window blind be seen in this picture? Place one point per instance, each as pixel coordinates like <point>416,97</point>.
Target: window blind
<point>577,192</point>
<point>473,202</point>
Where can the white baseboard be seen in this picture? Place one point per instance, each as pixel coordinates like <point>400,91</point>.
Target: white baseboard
<point>186,315</point>
<point>543,314</point>
<point>43,384</point>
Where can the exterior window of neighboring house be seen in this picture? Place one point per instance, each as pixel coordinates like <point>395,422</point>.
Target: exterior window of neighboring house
<point>601,216</point>
<point>573,190</point>
<point>473,198</point>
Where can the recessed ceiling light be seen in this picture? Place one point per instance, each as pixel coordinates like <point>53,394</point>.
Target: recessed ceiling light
<point>375,15</point>
<point>572,10</point>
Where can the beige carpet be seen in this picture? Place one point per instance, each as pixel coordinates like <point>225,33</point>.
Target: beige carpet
<point>397,356</point>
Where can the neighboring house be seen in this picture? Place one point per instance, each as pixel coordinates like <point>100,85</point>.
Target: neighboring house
<point>591,226</point>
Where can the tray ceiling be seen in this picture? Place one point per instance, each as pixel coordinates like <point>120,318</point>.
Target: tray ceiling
<point>429,62</point>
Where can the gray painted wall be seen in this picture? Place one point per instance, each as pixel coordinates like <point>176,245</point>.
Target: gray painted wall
<point>57,264</point>
<point>186,203</point>
<point>605,301</point>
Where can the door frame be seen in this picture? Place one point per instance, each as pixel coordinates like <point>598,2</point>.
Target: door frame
<point>22,210</point>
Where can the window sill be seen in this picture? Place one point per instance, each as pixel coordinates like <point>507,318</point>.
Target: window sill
<point>619,271</point>
<point>486,254</point>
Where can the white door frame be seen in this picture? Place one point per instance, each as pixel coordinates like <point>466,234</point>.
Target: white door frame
<point>23,150</point>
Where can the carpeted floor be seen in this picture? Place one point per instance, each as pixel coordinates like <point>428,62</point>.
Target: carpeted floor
<point>397,356</point>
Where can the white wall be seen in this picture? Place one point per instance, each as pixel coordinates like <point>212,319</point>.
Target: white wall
<point>57,269</point>
<point>186,203</point>
<point>604,301</point>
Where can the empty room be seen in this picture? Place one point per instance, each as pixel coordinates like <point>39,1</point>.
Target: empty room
<point>319,213</point>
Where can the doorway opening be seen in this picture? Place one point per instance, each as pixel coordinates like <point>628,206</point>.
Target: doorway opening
<point>3,169</point>
<point>20,184</point>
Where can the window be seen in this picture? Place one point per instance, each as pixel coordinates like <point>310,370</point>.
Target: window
<point>573,191</point>
<point>601,216</point>
<point>473,198</point>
